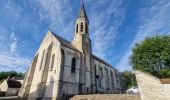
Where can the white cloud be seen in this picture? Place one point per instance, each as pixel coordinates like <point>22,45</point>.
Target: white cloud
<point>10,58</point>
<point>13,45</point>
<point>103,35</point>
<point>10,45</point>
<point>57,12</point>
<point>13,62</point>
<point>155,19</point>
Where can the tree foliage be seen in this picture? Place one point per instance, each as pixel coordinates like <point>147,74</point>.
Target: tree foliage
<point>153,56</point>
<point>128,80</point>
<point>4,75</point>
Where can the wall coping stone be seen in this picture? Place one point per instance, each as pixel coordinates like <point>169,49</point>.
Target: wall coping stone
<point>165,81</point>
<point>162,80</point>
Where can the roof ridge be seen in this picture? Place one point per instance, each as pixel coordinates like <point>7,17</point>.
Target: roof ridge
<point>64,41</point>
<point>60,37</point>
<point>102,60</point>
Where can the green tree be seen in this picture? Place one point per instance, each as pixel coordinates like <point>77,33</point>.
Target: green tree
<point>4,75</point>
<point>128,80</point>
<point>153,56</point>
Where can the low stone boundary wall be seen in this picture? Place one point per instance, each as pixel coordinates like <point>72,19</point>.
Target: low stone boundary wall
<point>107,97</point>
<point>152,88</point>
<point>10,98</point>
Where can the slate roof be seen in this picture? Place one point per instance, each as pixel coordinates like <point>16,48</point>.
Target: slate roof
<point>101,60</point>
<point>65,42</point>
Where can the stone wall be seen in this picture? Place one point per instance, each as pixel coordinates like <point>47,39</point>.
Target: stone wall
<point>107,97</point>
<point>151,88</point>
<point>4,86</point>
<point>12,91</point>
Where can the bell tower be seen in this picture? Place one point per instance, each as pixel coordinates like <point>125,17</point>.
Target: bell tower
<point>82,42</point>
<point>81,35</point>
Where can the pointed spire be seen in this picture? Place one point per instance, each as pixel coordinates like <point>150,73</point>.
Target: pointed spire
<point>82,13</point>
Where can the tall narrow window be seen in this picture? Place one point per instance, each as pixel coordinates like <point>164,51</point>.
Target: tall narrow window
<point>95,71</point>
<point>116,74</point>
<point>62,65</point>
<point>112,79</point>
<point>86,28</point>
<point>42,58</point>
<point>62,58</point>
<point>101,75</point>
<point>117,77</point>
<point>87,89</point>
<point>101,72</point>
<point>73,65</point>
<point>106,78</point>
<point>96,78</point>
<point>77,27</point>
<point>81,27</point>
<point>52,62</point>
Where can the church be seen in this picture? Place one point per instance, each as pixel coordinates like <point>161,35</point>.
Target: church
<point>61,68</point>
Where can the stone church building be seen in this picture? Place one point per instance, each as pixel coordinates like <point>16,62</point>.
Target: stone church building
<point>61,68</point>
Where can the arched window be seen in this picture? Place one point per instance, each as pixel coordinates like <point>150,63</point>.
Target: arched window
<point>87,89</point>
<point>95,70</point>
<point>106,78</point>
<point>81,27</point>
<point>117,77</point>
<point>77,27</point>
<point>73,65</point>
<point>97,83</point>
<point>112,79</point>
<point>62,58</point>
<point>116,74</point>
<point>42,58</point>
<point>32,70</point>
<point>52,62</point>
<point>101,75</point>
<point>62,66</point>
<point>101,72</point>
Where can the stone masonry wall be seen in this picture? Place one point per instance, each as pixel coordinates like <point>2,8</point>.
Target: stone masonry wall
<point>107,97</point>
<point>151,88</point>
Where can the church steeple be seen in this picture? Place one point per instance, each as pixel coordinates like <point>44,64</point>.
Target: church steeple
<point>82,13</point>
<point>82,42</point>
<point>82,21</point>
<point>81,36</point>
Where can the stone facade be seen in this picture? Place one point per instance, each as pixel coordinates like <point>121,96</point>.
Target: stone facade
<point>61,68</point>
<point>151,88</point>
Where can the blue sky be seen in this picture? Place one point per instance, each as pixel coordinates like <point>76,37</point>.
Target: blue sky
<point>115,26</point>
